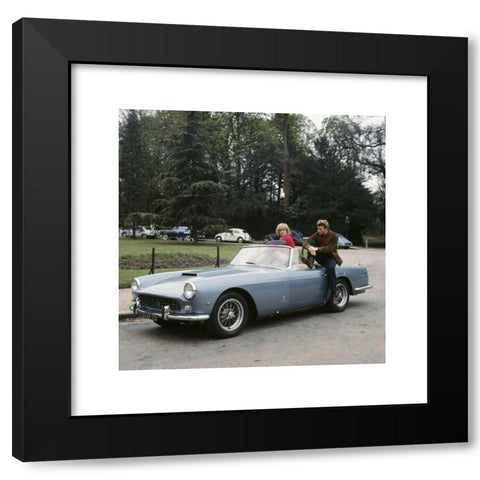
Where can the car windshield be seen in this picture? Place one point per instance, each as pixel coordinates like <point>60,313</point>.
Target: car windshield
<point>265,256</point>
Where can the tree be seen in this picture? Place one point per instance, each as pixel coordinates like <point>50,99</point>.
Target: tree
<point>283,122</point>
<point>189,190</point>
<point>358,145</point>
<point>244,147</point>
<point>361,145</point>
<point>132,169</point>
<point>329,188</point>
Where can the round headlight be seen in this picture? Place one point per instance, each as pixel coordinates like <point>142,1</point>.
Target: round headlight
<point>135,285</point>
<point>189,290</point>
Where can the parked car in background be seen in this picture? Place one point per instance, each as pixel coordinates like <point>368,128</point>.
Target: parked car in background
<point>149,233</point>
<point>176,233</point>
<point>234,235</point>
<point>127,232</point>
<point>261,281</point>
<point>140,232</point>
<point>343,242</point>
<point>297,237</point>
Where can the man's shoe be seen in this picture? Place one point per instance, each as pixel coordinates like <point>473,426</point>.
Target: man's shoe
<point>307,261</point>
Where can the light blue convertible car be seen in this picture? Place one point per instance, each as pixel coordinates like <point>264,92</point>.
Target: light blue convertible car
<point>261,281</point>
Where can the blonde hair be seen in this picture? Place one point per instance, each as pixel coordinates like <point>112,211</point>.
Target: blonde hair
<point>324,223</point>
<point>282,226</point>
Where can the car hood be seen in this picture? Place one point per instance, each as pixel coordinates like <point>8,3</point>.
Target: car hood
<point>173,285</point>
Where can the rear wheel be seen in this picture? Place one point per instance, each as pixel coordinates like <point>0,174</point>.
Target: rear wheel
<point>229,316</point>
<point>218,239</point>
<point>239,240</point>
<point>339,302</point>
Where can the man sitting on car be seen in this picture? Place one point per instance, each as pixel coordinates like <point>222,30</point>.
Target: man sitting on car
<point>322,247</point>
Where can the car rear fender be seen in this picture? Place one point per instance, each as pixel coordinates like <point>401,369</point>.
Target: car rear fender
<point>348,282</point>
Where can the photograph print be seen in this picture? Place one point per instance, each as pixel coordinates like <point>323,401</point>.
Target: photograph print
<point>250,239</point>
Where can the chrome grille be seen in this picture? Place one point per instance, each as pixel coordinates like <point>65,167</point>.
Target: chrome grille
<point>153,301</point>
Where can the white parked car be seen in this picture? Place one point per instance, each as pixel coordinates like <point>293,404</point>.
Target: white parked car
<point>128,232</point>
<point>140,232</point>
<point>148,233</point>
<point>234,235</point>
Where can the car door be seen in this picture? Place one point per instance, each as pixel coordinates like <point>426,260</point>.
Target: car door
<point>308,287</point>
<point>271,292</point>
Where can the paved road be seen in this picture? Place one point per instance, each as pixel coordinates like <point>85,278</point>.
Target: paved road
<point>316,337</point>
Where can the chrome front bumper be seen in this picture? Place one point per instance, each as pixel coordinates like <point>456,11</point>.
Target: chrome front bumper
<point>167,315</point>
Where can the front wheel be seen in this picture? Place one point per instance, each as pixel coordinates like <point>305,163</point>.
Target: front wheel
<point>218,239</point>
<point>339,302</point>
<point>239,240</point>
<point>229,316</point>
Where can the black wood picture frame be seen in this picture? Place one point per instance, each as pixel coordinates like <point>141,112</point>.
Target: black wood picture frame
<point>43,428</point>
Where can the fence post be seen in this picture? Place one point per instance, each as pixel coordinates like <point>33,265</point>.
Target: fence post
<point>218,257</point>
<point>152,268</point>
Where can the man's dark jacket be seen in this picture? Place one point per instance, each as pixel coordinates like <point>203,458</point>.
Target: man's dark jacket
<point>329,244</point>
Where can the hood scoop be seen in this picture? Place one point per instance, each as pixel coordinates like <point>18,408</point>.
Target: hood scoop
<point>189,274</point>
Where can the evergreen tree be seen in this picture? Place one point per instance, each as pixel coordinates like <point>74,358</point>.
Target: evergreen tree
<point>132,171</point>
<point>190,192</point>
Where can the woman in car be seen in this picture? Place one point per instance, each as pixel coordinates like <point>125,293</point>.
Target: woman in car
<point>284,231</point>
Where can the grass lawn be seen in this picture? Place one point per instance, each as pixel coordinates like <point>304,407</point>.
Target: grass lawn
<point>125,277</point>
<point>135,256</point>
